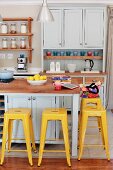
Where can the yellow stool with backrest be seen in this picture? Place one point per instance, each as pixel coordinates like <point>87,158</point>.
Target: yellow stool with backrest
<point>23,114</point>
<point>92,107</point>
<point>50,114</point>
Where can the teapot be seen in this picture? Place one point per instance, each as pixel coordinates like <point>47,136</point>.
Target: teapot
<point>88,65</point>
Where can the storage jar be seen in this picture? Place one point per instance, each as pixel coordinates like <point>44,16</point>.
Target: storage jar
<point>13,43</point>
<point>13,28</point>
<point>4,43</point>
<point>23,43</point>
<point>23,28</point>
<point>4,28</point>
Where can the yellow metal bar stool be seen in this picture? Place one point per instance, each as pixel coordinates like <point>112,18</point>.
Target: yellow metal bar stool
<point>23,114</point>
<point>92,107</point>
<point>50,114</point>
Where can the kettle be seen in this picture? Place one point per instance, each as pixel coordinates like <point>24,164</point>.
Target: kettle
<point>88,65</point>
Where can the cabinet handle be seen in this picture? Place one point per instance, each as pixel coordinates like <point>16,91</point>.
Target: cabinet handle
<point>34,98</point>
<point>29,98</point>
<point>85,43</point>
<point>80,43</point>
<point>60,43</point>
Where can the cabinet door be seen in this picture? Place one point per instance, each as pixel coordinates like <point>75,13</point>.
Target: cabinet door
<point>94,27</point>
<point>38,105</point>
<point>73,30</point>
<point>18,102</point>
<point>52,31</point>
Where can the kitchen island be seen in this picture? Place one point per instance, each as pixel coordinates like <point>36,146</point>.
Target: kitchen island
<point>20,87</point>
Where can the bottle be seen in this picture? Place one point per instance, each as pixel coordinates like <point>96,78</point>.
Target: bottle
<point>4,28</point>
<point>23,28</point>
<point>58,66</point>
<point>13,28</point>
<point>4,43</point>
<point>52,66</point>
<point>23,43</point>
<point>13,43</point>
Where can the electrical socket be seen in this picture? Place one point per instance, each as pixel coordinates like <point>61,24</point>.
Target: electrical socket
<point>2,56</point>
<point>10,56</point>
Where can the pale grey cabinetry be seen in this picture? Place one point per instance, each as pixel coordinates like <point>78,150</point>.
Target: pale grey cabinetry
<point>76,28</point>
<point>37,104</point>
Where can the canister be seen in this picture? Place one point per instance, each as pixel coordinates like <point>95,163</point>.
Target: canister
<point>4,28</point>
<point>4,43</point>
<point>23,43</point>
<point>23,28</point>
<point>13,28</point>
<point>13,43</point>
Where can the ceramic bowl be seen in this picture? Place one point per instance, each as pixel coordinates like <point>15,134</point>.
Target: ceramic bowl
<point>36,82</point>
<point>71,67</point>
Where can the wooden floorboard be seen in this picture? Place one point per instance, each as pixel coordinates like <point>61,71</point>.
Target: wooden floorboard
<point>56,164</point>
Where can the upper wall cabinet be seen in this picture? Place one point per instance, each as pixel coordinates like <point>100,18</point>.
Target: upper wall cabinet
<point>75,28</point>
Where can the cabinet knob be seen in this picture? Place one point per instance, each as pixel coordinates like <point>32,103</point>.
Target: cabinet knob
<point>60,43</point>
<point>29,98</point>
<point>80,43</point>
<point>85,43</point>
<point>34,98</point>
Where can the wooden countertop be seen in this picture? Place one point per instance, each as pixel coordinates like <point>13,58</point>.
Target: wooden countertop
<point>22,86</point>
<point>77,73</point>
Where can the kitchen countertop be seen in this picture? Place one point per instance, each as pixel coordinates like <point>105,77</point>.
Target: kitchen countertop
<point>22,86</point>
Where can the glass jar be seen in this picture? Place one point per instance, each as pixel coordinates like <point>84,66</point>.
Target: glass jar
<point>13,28</point>
<point>4,43</point>
<point>23,28</point>
<point>4,28</point>
<point>13,43</point>
<point>23,43</point>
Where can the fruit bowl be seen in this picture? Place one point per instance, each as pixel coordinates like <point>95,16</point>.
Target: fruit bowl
<point>36,82</point>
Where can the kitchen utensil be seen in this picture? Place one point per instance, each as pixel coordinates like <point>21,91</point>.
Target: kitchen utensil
<point>88,65</point>
<point>6,74</point>
<point>71,67</point>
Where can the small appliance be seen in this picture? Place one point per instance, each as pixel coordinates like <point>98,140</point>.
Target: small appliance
<point>21,63</point>
<point>88,65</point>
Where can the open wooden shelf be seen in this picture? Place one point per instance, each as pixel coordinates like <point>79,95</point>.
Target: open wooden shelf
<point>72,57</point>
<point>15,49</point>
<point>17,34</point>
<point>28,34</point>
<point>2,108</point>
<point>18,19</point>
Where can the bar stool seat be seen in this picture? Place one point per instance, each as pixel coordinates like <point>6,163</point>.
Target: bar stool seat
<point>23,114</point>
<point>50,114</point>
<point>92,107</point>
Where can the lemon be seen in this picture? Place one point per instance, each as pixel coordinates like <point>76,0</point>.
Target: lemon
<point>30,78</point>
<point>37,78</point>
<point>41,78</point>
<point>44,77</point>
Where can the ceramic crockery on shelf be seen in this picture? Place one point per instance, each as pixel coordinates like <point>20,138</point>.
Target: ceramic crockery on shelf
<point>82,53</point>
<point>95,53</point>
<point>62,53</point>
<point>89,53</point>
<point>68,53</point>
<point>48,53</point>
<point>75,53</point>
<point>71,67</point>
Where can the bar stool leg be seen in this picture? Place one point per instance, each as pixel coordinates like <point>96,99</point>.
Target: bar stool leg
<point>66,139</point>
<point>10,128</point>
<point>32,135</point>
<point>27,137</point>
<point>82,134</point>
<point>42,139</point>
<point>5,130</point>
<point>105,134</point>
